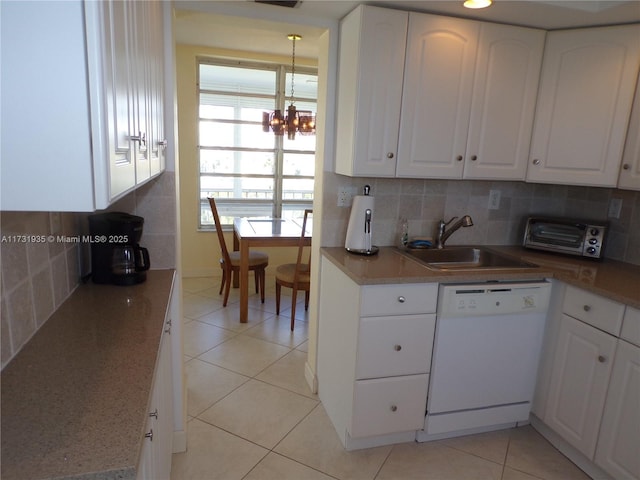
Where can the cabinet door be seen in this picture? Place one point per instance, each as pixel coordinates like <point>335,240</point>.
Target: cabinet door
<point>119,52</point>
<point>372,45</point>
<point>155,60</point>
<point>586,90</point>
<point>436,97</point>
<point>617,451</point>
<point>581,368</point>
<point>155,459</point>
<point>140,72</point>
<point>630,171</point>
<point>503,103</point>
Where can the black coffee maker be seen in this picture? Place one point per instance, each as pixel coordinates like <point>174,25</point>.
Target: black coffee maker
<point>116,256</point>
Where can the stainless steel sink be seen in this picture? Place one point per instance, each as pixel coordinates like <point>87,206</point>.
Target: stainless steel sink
<point>466,258</point>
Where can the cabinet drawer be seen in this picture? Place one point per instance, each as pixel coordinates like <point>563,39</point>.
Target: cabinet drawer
<point>399,345</point>
<point>389,405</point>
<point>593,309</point>
<point>631,326</point>
<point>399,299</point>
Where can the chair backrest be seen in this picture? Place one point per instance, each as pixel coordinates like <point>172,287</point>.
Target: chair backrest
<point>301,243</point>
<point>216,219</point>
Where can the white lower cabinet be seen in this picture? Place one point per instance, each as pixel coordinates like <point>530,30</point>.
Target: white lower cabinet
<point>155,457</point>
<point>589,405</point>
<point>374,357</point>
<point>582,365</point>
<point>618,451</point>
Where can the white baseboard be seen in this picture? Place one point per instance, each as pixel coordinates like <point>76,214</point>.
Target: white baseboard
<point>179,441</point>
<point>311,378</point>
<point>201,272</point>
<point>568,450</point>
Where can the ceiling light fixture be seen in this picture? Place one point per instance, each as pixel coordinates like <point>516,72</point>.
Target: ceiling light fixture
<point>477,3</point>
<point>301,121</point>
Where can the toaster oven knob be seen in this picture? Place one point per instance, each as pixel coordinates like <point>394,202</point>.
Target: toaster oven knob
<point>593,241</point>
<point>591,250</point>
<point>595,232</point>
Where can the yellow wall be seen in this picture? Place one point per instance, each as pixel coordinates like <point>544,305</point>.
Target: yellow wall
<point>200,250</point>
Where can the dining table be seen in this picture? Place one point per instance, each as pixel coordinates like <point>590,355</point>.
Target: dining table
<point>249,232</point>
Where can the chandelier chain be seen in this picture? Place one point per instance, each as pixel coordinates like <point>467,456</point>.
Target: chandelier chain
<point>293,68</point>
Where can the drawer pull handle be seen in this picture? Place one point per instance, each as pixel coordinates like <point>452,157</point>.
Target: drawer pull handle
<point>154,414</point>
<point>602,358</point>
<point>586,308</point>
<point>397,348</point>
<point>401,299</point>
<point>149,435</point>
<point>394,408</point>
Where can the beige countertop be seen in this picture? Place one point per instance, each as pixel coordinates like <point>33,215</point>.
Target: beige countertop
<point>615,280</point>
<point>75,398</point>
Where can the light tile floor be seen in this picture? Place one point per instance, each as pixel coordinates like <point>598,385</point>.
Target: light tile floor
<point>253,417</point>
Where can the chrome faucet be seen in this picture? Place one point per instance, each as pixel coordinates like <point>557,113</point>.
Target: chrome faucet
<point>465,221</point>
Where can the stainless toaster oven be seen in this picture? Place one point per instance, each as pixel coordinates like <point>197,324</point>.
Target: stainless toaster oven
<point>564,235</point>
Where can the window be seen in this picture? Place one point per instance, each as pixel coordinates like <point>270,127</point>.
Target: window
<point>248,171</point>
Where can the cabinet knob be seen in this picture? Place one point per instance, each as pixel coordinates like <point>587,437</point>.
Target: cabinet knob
<point>394,408</point>
<point>459,158</point>
<point>536,161</point>
<point>401,299</point>
<point>626,166</point>
<point>586,308</point>
<point>154,414</point>
<point>602,358</point>
<point>390,155</point>
<point>397,348</point>
<point>149,435</point>
<point>474,157</point>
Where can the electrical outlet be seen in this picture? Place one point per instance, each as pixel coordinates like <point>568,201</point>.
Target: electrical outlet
<point>344,198</point>
<point>494,199</point>
<point>615,207</point>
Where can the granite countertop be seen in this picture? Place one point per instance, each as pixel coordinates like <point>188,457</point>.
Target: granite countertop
<point>75,398</point>
<point>618,281</point>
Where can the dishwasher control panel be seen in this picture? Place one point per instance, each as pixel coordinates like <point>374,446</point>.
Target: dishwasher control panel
<point>493,299</point>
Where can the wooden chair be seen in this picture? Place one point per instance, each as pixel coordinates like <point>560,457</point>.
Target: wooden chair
<point>230,261</point>
<point>296,276</point>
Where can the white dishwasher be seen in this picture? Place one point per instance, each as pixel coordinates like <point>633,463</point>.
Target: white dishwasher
<point>485,357</point>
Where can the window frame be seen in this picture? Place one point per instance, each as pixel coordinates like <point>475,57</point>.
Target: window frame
<point>281,101</point>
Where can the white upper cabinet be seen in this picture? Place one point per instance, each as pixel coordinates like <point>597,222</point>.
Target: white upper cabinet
<point>372,44</point>
<point>436,100</point>
<point>586,90</point>
<point>630,170</point>
<point>79,129</point>
<point>503,102</point>
<point>468,99</point>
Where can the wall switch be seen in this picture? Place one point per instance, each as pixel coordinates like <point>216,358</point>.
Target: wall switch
<point>494,199</point>
<point>615,207</point>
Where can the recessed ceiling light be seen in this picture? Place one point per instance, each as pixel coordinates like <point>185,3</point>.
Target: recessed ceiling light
<point>477,3</point>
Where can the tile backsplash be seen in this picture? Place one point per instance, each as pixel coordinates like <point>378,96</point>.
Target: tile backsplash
<point>40,269</point>
<point>424,202</point>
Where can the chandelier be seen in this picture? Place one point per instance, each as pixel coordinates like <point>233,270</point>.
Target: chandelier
<point>300,121</point>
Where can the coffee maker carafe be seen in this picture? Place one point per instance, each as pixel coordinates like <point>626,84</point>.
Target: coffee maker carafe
<point>116,256</point>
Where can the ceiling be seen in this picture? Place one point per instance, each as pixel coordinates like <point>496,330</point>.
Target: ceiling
<point>245,25</point>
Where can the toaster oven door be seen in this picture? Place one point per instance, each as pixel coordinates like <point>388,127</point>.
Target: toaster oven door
<point>556,236</point>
